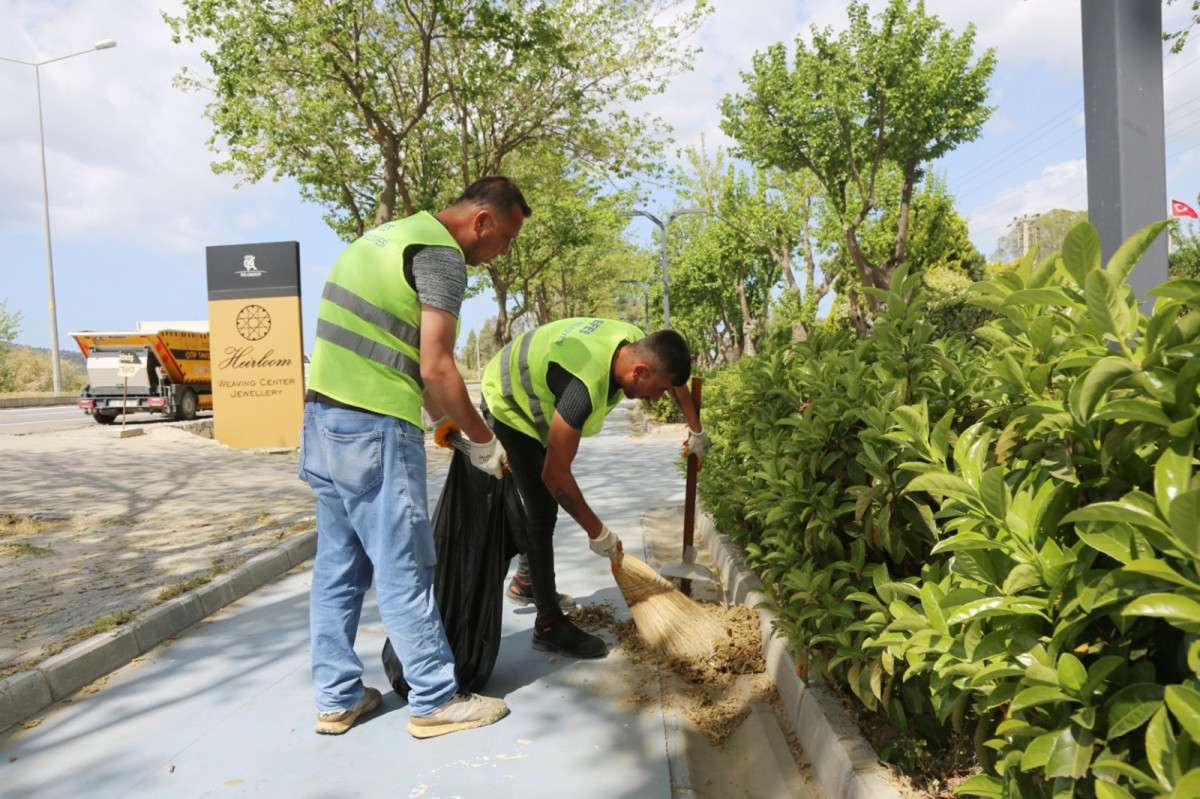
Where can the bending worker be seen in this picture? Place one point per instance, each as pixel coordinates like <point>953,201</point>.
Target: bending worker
<point>543,392</point>
<point>385,335</point>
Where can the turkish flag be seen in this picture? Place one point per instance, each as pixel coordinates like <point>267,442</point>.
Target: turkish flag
<point>1183,209</point>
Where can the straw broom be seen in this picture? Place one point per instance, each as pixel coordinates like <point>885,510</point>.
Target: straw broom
<point>666,619</point>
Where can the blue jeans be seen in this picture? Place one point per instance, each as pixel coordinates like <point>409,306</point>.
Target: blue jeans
<point>368,472</point>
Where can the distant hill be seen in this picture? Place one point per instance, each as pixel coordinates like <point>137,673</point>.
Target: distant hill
<point>73,354</point>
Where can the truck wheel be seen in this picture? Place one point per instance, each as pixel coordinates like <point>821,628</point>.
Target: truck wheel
<point>104,417</point>
<point>185,409</point>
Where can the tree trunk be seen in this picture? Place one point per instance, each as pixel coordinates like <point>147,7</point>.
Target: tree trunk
<point>857,318</point>
<point>748,326</point>
<point>899,248</point>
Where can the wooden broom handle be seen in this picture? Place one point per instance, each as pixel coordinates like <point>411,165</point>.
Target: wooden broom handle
<point>689,499</point>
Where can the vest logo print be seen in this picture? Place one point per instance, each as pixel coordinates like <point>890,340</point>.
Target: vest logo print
<point>249,269</point>
<point>253,322</point>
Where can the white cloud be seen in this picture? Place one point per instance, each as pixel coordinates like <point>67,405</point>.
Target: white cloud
<point>1061,185</point>
<point>125,150</point>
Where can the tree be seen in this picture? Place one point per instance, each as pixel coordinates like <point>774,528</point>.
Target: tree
<point>901,93</point>
<point>1184,259</point>
<point>10,326</point>
<point>1047,230</point>
<point>379,108</point>
<point>772,212</point>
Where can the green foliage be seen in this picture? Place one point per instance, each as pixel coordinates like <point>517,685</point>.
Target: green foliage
<point>378,108</point>
<point>885,95</point>
<point>998,538</point>
<point>1184,260</point>
<point>10,326</point>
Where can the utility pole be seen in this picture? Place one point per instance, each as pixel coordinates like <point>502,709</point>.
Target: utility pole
<point>1126,146</point>
<point>663,226</point>
<point>103,44</point>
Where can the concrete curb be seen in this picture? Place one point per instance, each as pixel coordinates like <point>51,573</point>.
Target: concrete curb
<point>843,763</point>
<point>28,693</point>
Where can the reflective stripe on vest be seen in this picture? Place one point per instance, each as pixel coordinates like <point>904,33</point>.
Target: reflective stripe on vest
<point>371,350</point>
<point>535,404</point>
<point>377,316</point>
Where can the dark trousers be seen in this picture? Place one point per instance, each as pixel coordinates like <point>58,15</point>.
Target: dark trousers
<point>534,534</point>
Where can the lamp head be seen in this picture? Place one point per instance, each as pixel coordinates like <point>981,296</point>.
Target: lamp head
<point>106,44</point>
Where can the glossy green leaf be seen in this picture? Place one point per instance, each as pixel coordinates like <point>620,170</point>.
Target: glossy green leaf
<point>1109,790</point>
<point>1179,288</point>
<point>981,785</point>
<point>1131,707</point>
<point>1070,753</point>
<point>1121,511</point>
<point>1081,252</point>
<point>1184,704</point>
<point>1160,747</point>
<point>1131,250</point>
<point>1134,410</point>
<point>1173,473</point>
<point>1037,753</point>
<point>1180,610</point>
<point>1037,695</point>
<point>1106,305</point>
<point>1071,673</point>
<point>941,484</point>
<point>1098,380</point>
<point>1037,297</point>
<point>1159,569</point>
<point>1185,520</point>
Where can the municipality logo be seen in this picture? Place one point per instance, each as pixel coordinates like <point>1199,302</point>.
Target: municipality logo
<point>249,269</point>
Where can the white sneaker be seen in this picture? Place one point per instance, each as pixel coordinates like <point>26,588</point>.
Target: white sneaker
<point>462,712</point>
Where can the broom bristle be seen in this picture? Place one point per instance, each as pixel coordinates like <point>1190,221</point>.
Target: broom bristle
<point>666,619</point>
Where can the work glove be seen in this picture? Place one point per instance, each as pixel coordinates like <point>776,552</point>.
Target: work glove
<point>606,544</point>
<point>696,444</point>
<point>488,457</point>
<point>446,432</point>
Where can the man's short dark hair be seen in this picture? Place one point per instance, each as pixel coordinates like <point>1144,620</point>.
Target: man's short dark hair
<point>672,353</point>
<point>496,192</point>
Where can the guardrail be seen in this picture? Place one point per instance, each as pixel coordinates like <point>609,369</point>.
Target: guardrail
<point>37,400</point>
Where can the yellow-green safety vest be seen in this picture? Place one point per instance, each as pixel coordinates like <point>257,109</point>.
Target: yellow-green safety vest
<point>368,347</point>
<point>583,346</point>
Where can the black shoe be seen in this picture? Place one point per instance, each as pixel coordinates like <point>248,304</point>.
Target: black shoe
<point>561,635</point>
<point>520,592</point>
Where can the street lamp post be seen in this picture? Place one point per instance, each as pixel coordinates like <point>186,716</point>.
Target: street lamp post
<point>103,44</point>
<point>663,257</point>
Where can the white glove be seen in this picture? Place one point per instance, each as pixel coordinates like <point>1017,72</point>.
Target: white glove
<point>697,444</point>
<point>606,544</point>
<point>489,457</point>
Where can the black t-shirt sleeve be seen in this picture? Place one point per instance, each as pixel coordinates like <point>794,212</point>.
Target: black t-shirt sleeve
<point>571,398</point>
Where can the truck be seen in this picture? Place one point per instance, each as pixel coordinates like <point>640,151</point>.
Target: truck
<point>167,364</point>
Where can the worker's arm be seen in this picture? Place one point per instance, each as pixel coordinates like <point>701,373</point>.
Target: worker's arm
<point>697,440</point>
<point>556,474</point>
<point>683,398</point>
<point>445,391</point>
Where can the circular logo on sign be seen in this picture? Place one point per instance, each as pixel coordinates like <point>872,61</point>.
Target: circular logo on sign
<point>253,322</point>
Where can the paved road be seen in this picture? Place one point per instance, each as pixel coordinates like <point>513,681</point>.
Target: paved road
<point>227,709</point>
<point>15,421</point>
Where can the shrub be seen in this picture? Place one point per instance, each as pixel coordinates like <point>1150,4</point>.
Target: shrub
<point>1000,539</point>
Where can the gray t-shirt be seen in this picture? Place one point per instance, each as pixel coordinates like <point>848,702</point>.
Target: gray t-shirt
<point>439,276</point>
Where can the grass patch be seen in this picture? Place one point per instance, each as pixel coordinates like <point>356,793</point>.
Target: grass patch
<point>180,588</point>
<point>19,549</point>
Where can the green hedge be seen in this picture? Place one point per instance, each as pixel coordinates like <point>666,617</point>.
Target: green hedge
<point>997,538</point>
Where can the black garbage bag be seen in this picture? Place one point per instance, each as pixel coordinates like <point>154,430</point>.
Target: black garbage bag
<point>472,530</point>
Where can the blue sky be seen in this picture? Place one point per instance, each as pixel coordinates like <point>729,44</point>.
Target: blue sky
<point>134,203</point>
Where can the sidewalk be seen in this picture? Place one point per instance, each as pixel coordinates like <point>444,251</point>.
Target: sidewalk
<point>227,709</point>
